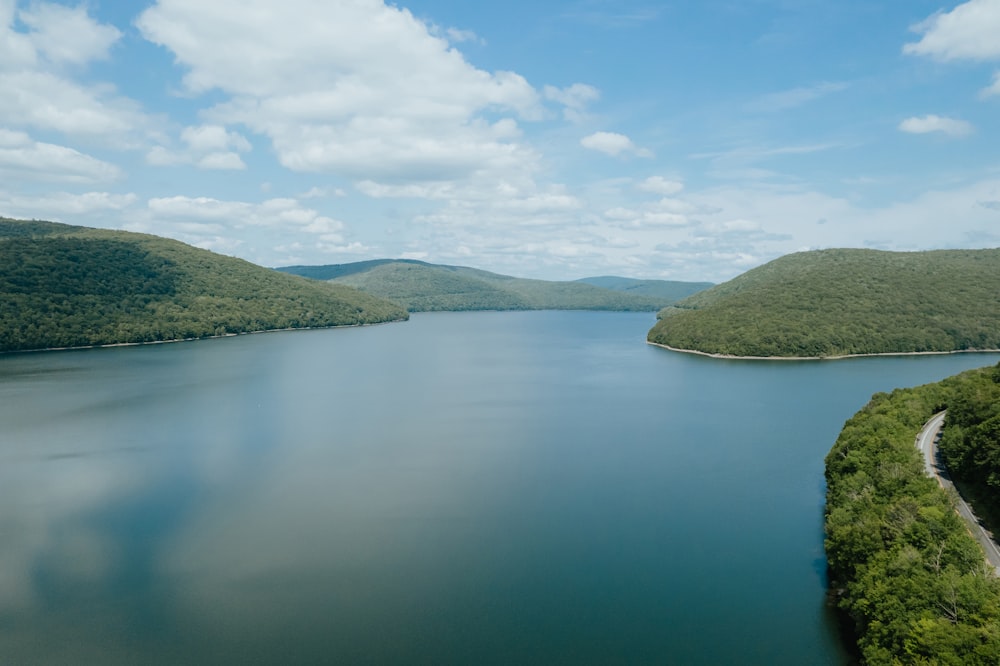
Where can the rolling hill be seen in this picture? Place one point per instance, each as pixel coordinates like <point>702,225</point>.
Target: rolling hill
<point>843,302</point>
<point>68,286</point>
<point>670,289</point>
<point>420,286</point>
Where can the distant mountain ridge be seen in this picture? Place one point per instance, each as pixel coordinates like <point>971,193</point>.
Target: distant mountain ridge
<point>421,286</point>
<point>69,286</point>
<point>671,289</point>
<point>844,302</point>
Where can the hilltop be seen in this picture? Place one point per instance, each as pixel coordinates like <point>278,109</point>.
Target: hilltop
<point>69,286</point>
<point>842,302</point>
<point>421,286</point>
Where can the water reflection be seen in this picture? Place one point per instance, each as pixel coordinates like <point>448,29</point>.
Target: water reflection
<point>493,487</point>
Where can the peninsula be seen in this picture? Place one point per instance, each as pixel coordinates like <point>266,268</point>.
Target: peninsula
<point>902,564</point>
<point>844,302</point>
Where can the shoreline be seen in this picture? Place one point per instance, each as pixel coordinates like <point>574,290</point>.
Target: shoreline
<point>207,337</point>
<point>817,358</point>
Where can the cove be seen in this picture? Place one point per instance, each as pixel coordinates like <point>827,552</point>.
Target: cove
<point>499,488</point>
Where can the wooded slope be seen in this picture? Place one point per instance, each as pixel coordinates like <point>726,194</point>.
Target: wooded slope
<point>839,302</point>
<point>672,290</point>
<point>902,563</point>
<point>970,445</point>
<point>420,286</point>
<point>67,286</point>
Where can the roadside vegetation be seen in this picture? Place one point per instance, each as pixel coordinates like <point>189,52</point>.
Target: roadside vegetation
<point>902,564</point>
<point>841,302</point>
<point>422,287</point>
<point>970,445</point>
<point>67,286</point>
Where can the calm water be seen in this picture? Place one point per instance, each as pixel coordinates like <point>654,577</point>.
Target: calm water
<point>503,488</point>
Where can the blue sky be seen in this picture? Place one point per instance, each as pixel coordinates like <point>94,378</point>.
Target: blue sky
<point>677,140</point>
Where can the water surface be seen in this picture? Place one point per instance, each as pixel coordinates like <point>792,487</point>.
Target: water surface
<point>502,488</point>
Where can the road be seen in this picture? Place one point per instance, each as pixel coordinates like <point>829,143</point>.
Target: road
<point>927,443</point>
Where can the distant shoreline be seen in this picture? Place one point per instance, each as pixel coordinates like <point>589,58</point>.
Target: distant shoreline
<point>818,358</point>
<point>207,337</point>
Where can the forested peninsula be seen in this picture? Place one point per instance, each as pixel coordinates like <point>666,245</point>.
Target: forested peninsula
<point>421,287</point>
<point>902,564</point>
<point>843,302</point>
<point>70,286</point>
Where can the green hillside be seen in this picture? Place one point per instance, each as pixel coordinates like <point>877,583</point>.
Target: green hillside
<point>671,290</point>
<point>420,287</point>
<point>840,302</point>
<point>902,563</point>
<point>970,446</point>
<point>67,286</point>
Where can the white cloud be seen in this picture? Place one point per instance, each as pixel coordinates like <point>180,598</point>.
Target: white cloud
<point>927,124</point>
<point>359,89</point>
<point>205,138</point>
<point>24,159</point>
<point>222,161</point>
<point>201,208</point>
<point>273,232</point>
<point>626,218</point>
<point>457,36</point>
<point>992,89</point>
<point>439,190</point>
<point>16,49</point>
<point>160,156</point>
<point>207,147</point>
<point>741,163</point>
<point>787,99</point>
<point>64,203</point>
<point>574,99</point>
<point>37,93</point>
<point>750,154</point>
<point>67,35</point>
<point>282,214</point>
<point>738,226</point>
<point>665,212</point>
<point>660,185</point>
<point>969,31</point>
<point>322,192</point>
<point>612,143</point>
<point>46,101</point>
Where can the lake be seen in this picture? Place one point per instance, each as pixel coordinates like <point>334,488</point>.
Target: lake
<point>488,488</point>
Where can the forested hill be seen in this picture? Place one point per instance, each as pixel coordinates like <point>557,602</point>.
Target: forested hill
<point>902,563</point>
<point>67,286</point>
<point>841,302</point>
<point>671,290</point>
<point>420,286</point>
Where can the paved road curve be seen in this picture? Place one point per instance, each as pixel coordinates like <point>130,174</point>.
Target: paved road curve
<point>927,443</point>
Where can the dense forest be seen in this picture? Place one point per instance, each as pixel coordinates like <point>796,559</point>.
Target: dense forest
<point>420,286</point>
<point>66,286</point>
<point>970,445</point>
<point>841,302</point>
<point>672,290</point>
<point>902,564</point>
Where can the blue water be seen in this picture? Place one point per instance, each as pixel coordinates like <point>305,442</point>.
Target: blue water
<point>506,488</point>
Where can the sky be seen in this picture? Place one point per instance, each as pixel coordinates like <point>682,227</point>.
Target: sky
<point>685,140</point>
